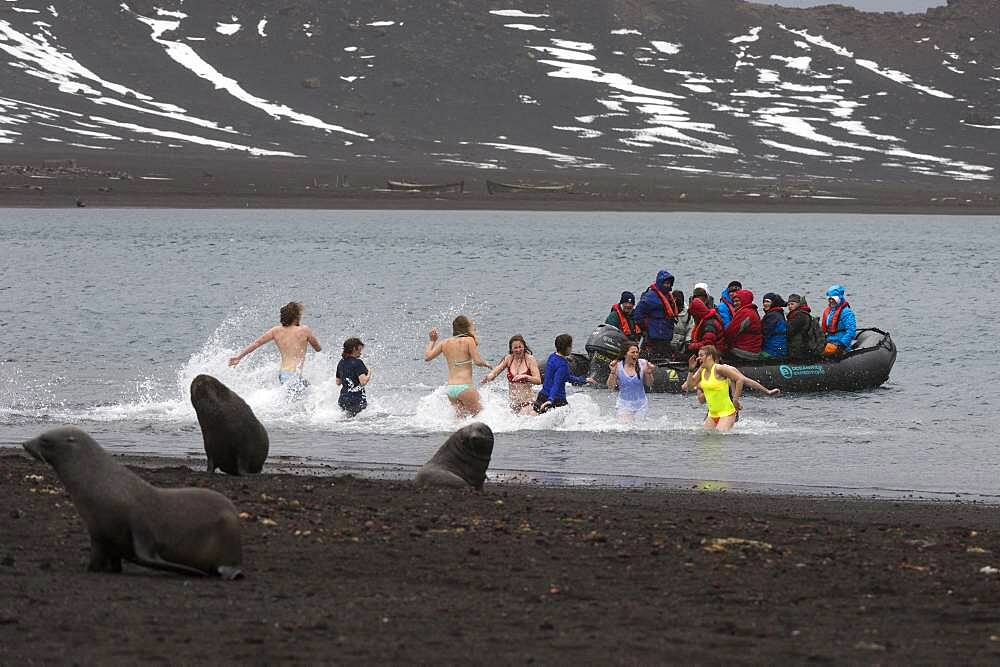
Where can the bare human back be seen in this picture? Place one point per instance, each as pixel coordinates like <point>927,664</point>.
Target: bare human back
<point>291,338</point>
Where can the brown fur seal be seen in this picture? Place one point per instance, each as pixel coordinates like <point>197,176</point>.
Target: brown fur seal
<point>462,459</point>
<point>189,531</point>
<point>235,440</point>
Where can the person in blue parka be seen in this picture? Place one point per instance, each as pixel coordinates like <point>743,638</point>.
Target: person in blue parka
<point>725,307</point>
<point>838,322</point>
<point>657,314</point>
<point>774,327</point>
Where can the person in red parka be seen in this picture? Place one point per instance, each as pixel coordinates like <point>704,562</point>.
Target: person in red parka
<point>708,329</point>
<point>744,334</point>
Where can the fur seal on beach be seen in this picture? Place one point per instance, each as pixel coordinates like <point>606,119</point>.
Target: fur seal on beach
<point>188,531</point>
<point>462,459</point>
<point>235,440</point>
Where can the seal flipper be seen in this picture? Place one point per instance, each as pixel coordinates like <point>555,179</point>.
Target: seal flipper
<point>229,573</point>
<point>145,556</point>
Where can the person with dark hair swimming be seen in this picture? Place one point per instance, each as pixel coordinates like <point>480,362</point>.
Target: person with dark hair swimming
<point>460,351</point>
<point>557,374</point>
<point>352,376</point>
<point>522,373</point>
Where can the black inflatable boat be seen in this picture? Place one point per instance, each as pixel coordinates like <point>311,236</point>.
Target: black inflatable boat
<point>866,366</point>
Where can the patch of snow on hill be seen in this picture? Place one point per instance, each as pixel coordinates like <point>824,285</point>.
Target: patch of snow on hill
<point>187,57</point>
<point>525,26</point>
<point>225,145</point>
<point>891,74</point>
<point>752,36</point>
<point>227,28</point>
<point>517,13</point>
<point>260,27</point>
<point>669,48</point>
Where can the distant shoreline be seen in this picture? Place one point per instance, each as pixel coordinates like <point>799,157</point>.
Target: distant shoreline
<point>425,202</point>
<point>132,182</point>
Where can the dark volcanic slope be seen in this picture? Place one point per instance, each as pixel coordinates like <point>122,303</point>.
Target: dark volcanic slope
<point>621,88</point>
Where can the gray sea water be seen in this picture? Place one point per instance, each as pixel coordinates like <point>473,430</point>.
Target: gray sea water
<point>107,315</point>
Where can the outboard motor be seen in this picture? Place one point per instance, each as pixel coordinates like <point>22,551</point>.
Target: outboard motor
<point>604,346</point>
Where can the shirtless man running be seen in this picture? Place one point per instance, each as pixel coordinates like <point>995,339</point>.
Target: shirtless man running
<point>291,338</point>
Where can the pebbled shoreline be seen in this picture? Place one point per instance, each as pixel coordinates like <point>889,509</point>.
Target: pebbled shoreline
<point>343,569</point>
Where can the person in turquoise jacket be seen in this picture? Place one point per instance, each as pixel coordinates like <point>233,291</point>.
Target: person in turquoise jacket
<point>838,322</point>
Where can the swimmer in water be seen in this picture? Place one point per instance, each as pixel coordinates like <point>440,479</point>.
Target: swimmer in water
<point>291,338</point>
<point>630,375</point>
<point>460,351</point>
<point>352,377</point>
<point>712,382</point>
<point>522,372</point>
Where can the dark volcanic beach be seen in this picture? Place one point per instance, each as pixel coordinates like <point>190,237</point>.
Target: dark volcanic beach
<point>348,570</point>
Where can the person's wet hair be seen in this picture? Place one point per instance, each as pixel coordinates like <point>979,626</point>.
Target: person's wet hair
<point>291,312</point>
<point>710,351</point>
<point>563,343</point>
<point>350,345</point>
<point>462,326</point>
<point>625,350</point>
<point>515,338</point>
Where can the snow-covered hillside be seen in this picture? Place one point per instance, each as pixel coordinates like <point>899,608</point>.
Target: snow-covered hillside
<point>630,87</point>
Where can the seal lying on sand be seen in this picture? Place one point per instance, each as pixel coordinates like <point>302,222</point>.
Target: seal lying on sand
<point>188,531</point>
<point>235,440</point>
<point>462,459</point>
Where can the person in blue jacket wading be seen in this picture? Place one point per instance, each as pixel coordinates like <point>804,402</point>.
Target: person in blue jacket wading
<point>557,374</point>
<point>838,322</point>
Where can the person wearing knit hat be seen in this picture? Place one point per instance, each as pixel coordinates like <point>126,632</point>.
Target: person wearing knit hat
<point>623,318</point>
<point>774,327</point>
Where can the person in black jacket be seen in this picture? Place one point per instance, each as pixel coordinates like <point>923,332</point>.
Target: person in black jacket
<point>799,324</point>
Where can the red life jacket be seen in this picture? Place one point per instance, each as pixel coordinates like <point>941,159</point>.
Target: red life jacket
<point>717,321</point>
<point>669,308</point>
<point>623,323</point>
<point>835,320</point>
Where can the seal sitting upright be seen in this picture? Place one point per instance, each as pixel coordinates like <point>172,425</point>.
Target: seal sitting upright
<point>188,531</point>
<point>235,440</point>
<point>462,459</point>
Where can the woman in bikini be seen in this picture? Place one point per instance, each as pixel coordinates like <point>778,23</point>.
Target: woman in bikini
<point>712,381</point>
<point>522,372</point>
<point>460,351</point>
<point>630,375</point>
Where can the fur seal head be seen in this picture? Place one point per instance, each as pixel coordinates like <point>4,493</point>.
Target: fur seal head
<point>461,460</point>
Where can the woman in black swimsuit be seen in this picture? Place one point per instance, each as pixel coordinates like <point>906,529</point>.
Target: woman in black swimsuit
<point>522,373</point>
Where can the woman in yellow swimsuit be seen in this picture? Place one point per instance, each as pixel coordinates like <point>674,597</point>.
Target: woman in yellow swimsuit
<point>460,351</point>
<point>712,381</point>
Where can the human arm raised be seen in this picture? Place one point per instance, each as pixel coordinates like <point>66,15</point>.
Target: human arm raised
<point>434,346</point>
<point>613,375</point>
<point>267,337</point>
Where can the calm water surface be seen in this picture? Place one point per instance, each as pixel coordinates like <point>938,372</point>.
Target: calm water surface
<point>107,315</point>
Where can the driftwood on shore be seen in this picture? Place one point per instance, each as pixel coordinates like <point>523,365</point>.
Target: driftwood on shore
<point>494,187</point>
<point>457,186</point>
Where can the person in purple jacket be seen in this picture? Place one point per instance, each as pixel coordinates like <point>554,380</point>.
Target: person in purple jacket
<point>557,374</point>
